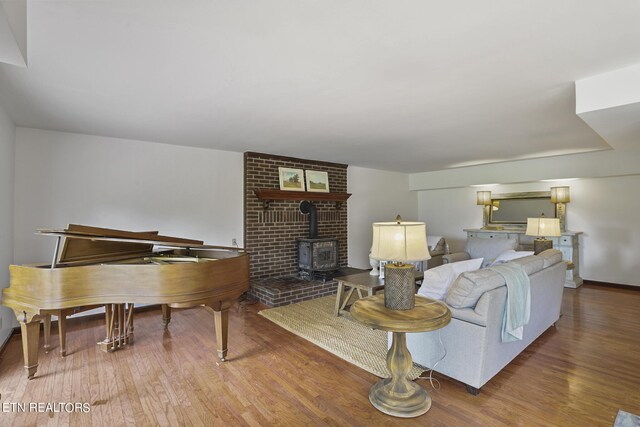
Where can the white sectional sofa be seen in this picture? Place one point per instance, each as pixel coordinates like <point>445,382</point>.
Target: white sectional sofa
<point>474,348</point>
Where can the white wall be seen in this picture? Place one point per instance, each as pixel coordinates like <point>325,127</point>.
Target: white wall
<point>604,209</point>
<point>7,147</point>
<point>376,196</point>
<point>607,211</point>
<point>447,212</point>
<point>63,178</point>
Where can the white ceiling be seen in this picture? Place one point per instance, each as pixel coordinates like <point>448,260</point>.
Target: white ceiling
<point>411,86</point>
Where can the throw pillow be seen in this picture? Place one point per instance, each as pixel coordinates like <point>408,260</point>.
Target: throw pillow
<point>436,281</point>
<point>470,286</point>
<point>510,255</point>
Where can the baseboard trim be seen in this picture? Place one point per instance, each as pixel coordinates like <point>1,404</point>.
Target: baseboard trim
<point>611,285</point>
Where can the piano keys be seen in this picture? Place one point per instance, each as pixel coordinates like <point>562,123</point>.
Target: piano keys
<point>94,267</point>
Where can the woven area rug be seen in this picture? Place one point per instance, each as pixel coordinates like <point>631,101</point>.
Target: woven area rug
<point>314,320</point>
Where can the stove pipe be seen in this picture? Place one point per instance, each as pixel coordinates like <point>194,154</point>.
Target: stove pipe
<point>306,207</point>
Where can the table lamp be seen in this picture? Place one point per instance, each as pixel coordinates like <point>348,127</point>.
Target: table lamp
<point>542,228</point>
<point>399,242</point>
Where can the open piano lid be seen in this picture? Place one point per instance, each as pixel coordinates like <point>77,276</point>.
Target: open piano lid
<point>87,243</point>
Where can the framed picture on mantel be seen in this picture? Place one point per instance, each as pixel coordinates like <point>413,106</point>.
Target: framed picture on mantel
<point>291,179</point>
<point>317,181</point>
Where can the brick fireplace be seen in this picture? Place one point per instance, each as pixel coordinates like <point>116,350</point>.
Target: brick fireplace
<point>271,234</point>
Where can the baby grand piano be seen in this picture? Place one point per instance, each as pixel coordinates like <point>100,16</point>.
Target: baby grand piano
<point>95,267</point>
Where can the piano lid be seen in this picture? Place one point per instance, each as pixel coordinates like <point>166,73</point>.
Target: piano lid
<point>87,243</point>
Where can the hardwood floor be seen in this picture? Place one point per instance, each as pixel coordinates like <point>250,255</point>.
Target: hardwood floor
<point>578,373</point>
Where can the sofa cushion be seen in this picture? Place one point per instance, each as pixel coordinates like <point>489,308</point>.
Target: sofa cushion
<point>436,281</point>
<point>531,264</point>
<point>489,249</point>
<point>550,257</point>
<point>469,287</point>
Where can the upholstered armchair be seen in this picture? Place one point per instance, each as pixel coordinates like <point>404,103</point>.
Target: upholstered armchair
<point>482,247</point>
<point>437,249</point>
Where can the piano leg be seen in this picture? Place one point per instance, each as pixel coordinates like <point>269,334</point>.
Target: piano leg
<point>222,330</point>
<point>221,317</point>
<point>62,332</point>
<point>166,315</point>
<point>62,325</point>
<point>47,332</point>
<point>30,328</point>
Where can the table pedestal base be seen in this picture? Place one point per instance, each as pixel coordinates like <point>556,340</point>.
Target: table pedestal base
<point>414,402</point>
<point>397,395</point>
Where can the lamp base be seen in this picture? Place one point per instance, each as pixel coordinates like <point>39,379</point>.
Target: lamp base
<point>399,286</point>
<point>541,244</point>
<point>374,263</point>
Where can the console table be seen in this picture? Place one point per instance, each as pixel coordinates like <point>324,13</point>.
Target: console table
<point>567,243</point>
<point>397,395</point>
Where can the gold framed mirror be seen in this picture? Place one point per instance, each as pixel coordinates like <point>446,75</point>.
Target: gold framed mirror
<point>511,210</point>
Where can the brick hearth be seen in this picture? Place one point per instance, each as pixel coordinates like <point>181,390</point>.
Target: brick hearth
<point>284,290</point>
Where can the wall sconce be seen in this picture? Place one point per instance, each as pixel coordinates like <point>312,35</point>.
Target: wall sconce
<point>484,200</point>
<point>560,196</point>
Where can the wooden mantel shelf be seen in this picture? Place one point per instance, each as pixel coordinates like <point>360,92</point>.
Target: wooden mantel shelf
<point>269,194</point>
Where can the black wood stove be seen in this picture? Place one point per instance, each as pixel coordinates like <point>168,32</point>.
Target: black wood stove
<point>316,256</point>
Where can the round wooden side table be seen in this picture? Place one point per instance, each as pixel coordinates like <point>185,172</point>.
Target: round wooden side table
<point>397,395</point>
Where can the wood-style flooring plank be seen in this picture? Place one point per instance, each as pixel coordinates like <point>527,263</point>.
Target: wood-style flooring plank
<point>577,373</point>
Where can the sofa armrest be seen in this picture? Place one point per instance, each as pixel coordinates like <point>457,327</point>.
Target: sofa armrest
<point>468,315</point>
<point>455,257</point>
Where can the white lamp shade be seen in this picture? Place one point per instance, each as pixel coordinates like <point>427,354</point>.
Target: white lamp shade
<point>543,227</point>
<point>403,242</point>
<point>560,195</point>
<point>484,198</point>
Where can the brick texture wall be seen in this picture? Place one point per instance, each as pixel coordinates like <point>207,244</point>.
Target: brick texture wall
<point>270,235</point>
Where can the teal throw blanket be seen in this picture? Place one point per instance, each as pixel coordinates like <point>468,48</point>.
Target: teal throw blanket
<point>518,306</point>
